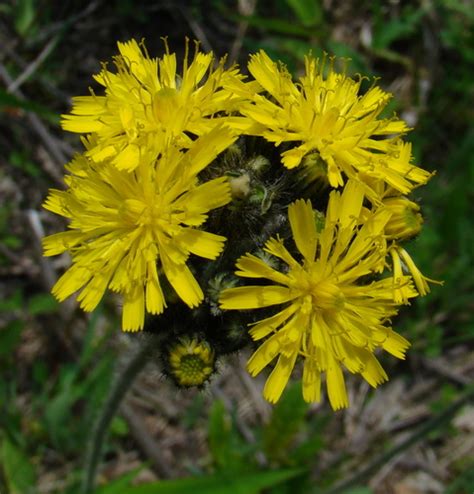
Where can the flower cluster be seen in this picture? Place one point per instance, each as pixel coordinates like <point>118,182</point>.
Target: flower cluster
<point>176,163</point>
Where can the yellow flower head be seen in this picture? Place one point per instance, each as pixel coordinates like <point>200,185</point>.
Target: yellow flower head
<point>327,115</point>
<point>331,316</point>
<point>191,362</point>
<point>148,104</point>
<point>126,228</point>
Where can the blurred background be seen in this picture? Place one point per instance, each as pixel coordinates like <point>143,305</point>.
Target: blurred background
<point>414,435</point>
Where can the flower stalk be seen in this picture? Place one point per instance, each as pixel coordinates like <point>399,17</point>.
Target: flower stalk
<point>122,383</point>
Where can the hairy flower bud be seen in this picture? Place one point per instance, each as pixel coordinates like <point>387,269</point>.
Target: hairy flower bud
<point>406,219</point>
<point>191,362</point>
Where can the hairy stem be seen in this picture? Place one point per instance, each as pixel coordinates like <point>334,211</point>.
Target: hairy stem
<point>119,388</point>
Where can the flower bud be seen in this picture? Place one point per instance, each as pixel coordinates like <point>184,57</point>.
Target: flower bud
<point>191,362</point>
<point>240,186</point>
<point>314,168</point>
<point>406,219</point>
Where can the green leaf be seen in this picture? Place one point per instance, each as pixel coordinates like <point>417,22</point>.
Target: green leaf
<point>297,48</point>
<point>11,241</point>
<point>343,50</point>
<point>8,100</point>
<point>74,384</point>
<point>12,303</point>
<point>307,451</point>
<point>359,490</point>
<point>463,482</point>
<point>5,9</point>
<point>217,484</point>
<point>10,337</point>
<point>220,429</point>
<point>40,373</point>
<point>19,472</point>
<point>275,25</point>
<point>194,411</point>
<point>42,303</point>
<point>119,427</point>
<point>309,12</point>
<point>386,33</point>
<point>91,343</point>
<point>117,486</point>
<point>25,14</point>
<point>22,161</point>
<point>287,419</point>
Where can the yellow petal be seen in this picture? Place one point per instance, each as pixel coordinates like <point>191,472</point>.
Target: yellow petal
<point>336,386</point>
<point>88,105</point>
<point>133,314</point>
<point>60,242</point>
<point>303,227</point>
<point>374,373</point>
<point>93,292</point>
<point>275,247</point>
<point>278,378</point>
<point>130,51</point>
<point>155,300</point>
<point>71,281</point>
<point>264,70</point>
<point>253,297</point>
<point>202,199</point>
<point>269,324</point>
<point>128,158</point>
<point>99,154</point>
<point>183,282</point>
<point>400,292</point>
<point>81,124</point>
<point>203,244</point>
<point>311,381</point>
<point>293,157</point>
<point>420,280</point>
<point>395,344</point>
<point>250,266</point>
<point>206,148</point>
<point>351,203</point>
<point>264,354</point>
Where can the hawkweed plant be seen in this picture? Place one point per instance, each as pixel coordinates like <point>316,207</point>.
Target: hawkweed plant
<point>230,211</point>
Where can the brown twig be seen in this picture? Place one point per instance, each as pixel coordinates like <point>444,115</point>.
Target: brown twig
<point>145,442</point>
<point>49,141</point>
<point>263,407</point>
<point>33,66</point>
<point>407,442</point>
<point>66,309</point>
<point>445,371</point>
<point>49,276</point>
<point>245,8</point>
<point>62,25</point>
<point>197,30</point>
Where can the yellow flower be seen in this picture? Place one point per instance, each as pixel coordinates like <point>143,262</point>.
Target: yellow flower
<point>148,104</point>
<point>327,115</point>
<point>128,228</point>
<point>191,362</point>
<point>332,316</point>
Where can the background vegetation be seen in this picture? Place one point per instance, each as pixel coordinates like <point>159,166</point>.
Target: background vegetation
<point>413,435</point>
